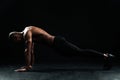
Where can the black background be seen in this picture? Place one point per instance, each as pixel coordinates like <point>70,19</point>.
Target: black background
<point>86,23</point>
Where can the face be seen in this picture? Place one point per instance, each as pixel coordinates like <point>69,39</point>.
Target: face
<point>17,37</point>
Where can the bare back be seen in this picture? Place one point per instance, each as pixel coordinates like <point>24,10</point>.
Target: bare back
<point>39,35</point>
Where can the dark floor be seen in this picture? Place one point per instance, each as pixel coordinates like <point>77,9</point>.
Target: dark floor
<point>60,71</point>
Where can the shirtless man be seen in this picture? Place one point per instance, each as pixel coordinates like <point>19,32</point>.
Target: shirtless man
<point>33,34</point>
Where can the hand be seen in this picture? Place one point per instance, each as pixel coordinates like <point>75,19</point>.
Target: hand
<point>23,69</point>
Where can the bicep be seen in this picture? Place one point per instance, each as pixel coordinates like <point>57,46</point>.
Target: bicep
<point>29,36</point>
<point>28,41</point>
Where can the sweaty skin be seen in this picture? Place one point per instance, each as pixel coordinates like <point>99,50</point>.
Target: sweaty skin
<point>33,34</point>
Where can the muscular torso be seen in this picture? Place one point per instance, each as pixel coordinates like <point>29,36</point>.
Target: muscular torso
<point>39,35</point>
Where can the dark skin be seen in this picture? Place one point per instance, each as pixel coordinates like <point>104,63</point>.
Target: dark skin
<point>30,35</point>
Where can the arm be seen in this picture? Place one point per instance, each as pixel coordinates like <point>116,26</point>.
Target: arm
<point>32,54</point>
<point>28,49</point>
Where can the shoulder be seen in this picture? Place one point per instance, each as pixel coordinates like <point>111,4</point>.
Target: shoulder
<point>28,27</point>
<point>26,30</point>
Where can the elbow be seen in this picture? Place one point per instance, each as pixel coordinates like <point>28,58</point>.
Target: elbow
<point>29,41</point>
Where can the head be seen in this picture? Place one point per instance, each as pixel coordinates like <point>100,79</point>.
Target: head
<point>16,36</point>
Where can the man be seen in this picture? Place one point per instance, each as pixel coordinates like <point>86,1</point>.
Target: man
<point>33,34</point>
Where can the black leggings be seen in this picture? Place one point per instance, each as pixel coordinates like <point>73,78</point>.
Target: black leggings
<point>66,48</point>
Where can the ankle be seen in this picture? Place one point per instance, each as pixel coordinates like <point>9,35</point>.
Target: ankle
<point>30,66</point>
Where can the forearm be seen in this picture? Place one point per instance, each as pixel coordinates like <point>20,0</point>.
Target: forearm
<point>28,53</point>
<point>32,55</point>
<point>29,47</point>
